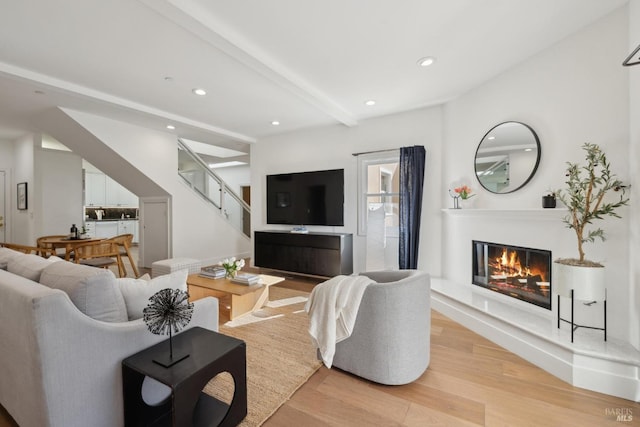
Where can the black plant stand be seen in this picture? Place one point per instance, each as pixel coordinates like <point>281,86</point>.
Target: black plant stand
<point>210,353</point>
<point>575,326</point>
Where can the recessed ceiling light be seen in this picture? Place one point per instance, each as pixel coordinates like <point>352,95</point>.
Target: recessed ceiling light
<point>275,123</point>
<point>528,149</point>
<point>199,92</point>
<point>426,61</point>
<point>491,138</point>
<point>370,102</point>
<point>171,127</point>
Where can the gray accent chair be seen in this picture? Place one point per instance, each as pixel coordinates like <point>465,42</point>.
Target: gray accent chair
<point>391,339</point>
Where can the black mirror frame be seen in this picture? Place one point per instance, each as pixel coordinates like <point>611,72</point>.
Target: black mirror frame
<point>534,169</point>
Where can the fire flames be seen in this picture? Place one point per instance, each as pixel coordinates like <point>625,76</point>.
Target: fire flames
<point>508,265</point>
<point>518,272</point>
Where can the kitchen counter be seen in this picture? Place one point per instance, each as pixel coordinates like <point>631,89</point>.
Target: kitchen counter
<point>111,219</point>
<point>111,214</point>
<point>111,227</point>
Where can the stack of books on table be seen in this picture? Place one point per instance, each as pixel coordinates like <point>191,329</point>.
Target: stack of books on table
<point>246,279</point>
<point>212,272</point>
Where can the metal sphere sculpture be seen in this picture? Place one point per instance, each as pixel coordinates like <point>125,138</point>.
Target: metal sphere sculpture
<point>168,312</point>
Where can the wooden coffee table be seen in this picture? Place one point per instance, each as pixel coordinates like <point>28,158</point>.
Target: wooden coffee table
<point>244,299</point>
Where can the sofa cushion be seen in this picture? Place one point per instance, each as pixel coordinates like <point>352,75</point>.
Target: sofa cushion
<point>7,254</point>
<point>136,292</point>
<point>29,266</point>
<point>93,290</point>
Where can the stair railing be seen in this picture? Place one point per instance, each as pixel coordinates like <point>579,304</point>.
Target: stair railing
<point>199,176</point>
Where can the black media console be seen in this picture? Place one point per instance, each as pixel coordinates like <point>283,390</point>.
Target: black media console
<point>317,254</point>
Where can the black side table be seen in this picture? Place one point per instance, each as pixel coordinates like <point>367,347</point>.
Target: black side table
<point>210,353</point>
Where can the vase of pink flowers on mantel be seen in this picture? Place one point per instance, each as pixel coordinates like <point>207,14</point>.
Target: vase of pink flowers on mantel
<point>461,196</point>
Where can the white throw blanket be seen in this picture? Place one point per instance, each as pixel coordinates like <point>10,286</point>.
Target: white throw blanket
<point>333,307</point>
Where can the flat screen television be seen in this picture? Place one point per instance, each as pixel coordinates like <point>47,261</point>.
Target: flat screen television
<point>306,198</point>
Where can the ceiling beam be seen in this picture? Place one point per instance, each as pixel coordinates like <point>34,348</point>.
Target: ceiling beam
<point>200,22</point>
<point>103,98</point>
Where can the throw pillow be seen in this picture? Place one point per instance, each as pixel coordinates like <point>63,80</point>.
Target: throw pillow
<point>93,290</point>
<point>7,254</point>
<point>29,266</point>
<point>136,292</point>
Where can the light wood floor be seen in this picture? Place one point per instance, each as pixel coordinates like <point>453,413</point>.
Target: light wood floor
<point>470,382</point>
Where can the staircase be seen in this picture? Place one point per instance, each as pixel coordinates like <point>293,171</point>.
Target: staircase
<point>197,174</point>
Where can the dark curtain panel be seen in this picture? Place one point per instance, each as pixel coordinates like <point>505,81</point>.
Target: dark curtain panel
<point>412,161</point>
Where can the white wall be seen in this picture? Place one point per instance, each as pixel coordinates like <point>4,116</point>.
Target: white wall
<point>6,155</point>
<point>634,168</point>
<point>332,148</point>
<point>6,165</point>
<point>572,93</point>
<point>198,231</point>
<point>22,224</point>
<point>236,177</point>
<point>54,189</point>
<point>57,197</point>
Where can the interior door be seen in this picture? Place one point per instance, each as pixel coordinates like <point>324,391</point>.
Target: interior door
<point>3,215</point>
<point>154,230</point>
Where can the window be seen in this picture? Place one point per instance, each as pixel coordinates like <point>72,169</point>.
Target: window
<point>378,207</point>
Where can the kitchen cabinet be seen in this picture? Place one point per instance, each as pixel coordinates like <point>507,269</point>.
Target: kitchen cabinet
<point>117,195</point>
<point>125,227</point>
<point>106,229</point>
<point>127,198</point>
<point>94,189</point>
<point>90,228</point>
<point>101,190</point>
<point>136,233</point>
<point>129,227</point>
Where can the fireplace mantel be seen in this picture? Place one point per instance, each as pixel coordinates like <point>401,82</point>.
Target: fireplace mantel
<point>539,214</point>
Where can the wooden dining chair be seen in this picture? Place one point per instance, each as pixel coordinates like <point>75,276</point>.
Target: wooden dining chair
<point>46,249</point>
<point>124,242</point>
<point>102,254</point>
<point>25,249</point>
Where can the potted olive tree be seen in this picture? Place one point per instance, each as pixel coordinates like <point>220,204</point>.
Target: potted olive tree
<point>588,198</point>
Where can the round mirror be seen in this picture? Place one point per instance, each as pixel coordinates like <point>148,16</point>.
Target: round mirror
<point>507,157</point>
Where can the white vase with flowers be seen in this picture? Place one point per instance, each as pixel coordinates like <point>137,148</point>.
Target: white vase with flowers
<point>231,267</point>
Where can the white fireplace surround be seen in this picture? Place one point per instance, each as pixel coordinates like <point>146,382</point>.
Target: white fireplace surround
<point>611,367</point>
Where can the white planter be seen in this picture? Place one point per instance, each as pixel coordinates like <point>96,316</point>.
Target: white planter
<point>468,203</point>
<point>588,283</point>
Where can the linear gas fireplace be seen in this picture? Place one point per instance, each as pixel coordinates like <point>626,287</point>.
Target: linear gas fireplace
<point>522,273</point>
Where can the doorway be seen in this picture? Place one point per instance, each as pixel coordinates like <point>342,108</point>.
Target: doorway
<point>154,230</point>
<point>3,213</point>
<point>378,208</point>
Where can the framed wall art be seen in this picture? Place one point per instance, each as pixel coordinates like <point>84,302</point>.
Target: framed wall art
<point>22,196</point>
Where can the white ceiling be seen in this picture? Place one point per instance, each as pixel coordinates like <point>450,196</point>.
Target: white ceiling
<point>304,63</point>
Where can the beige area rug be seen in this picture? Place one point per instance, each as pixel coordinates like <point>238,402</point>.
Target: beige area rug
<point>280,356</point>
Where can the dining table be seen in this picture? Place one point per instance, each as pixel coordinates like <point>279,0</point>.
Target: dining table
<point>68,243</point>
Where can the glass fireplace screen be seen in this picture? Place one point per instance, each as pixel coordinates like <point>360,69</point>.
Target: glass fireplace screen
<point>522,273</point>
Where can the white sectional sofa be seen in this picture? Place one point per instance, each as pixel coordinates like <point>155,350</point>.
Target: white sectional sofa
<point>64,330</point>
